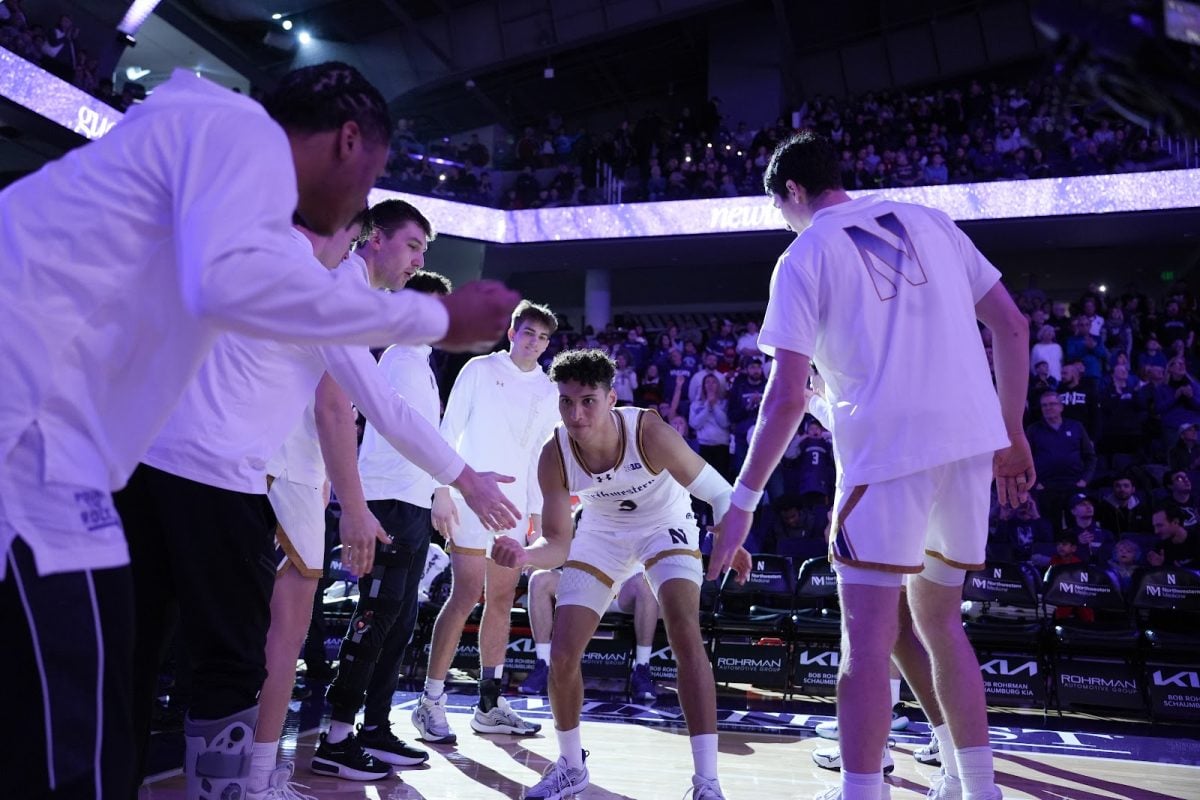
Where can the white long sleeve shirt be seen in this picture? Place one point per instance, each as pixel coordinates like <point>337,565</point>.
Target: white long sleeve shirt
<point>498,417</point>
<point>124,259</point>
<point>250,394</point>
<point>387,475</point>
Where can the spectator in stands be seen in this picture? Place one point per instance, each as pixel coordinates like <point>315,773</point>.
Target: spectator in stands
<point>747,343</point>
<point>1065,553</point>
<point>814,467</point>
<point>60,48</point>
<point>649,392</point>
<point>1063,455</point>
<point>1091,353</point>
<point>673,372</point>
<point>1152,355</point>
<point>1078,396</point>
<point>745,397</point>
<point>1183,397</point>
<point>1117,333</point>
<point>1126,561</point>
<point>1177,546</point>
<point>711,422</point>
<point>1018,532</point>
<point>1123,413</point>
<point>1174,326</point>
<point>662,351</point>
<point>1049,351</point>
<point>625,381</point>
<point>709,367</point>
<point>935,172</point>
<point>1185,453</point>
<point>1041,382</point>
<point>1094,541</point>
<point>1122,511</point>
<point>723,340</point>
<point>794,531</point>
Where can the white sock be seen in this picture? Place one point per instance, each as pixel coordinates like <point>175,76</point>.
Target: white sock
<point>262,764</point>
<point>976,770</point>
<point>642,654</point>
<point>570,747</point>
<point>496,671</point>
<point>338,731</point>
<point>704,755</point>
<point>895,692</point>
<point>857,786</point>
<point>435,688</point>
<point>543,651</point>
<point>949,762</point>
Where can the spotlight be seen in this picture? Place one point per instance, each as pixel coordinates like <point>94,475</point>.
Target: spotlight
<point>304,36</point>
<point>277,15</point>
<point>1102,288</point>
<point>287,24</point>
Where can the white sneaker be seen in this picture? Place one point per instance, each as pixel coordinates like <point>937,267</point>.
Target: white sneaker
<point>831,758</point>
<point>705,789</point>
<point>502,719</point>
<point>558,781</point>
<point>280,786</point>
<point>930,753</point>
<point>944,787</point>
<point>835,793</point>
<point>429,718</point>
<point>829,730</point>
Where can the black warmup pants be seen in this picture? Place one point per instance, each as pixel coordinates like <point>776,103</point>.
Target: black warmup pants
<point>211,553</point>
<point>68,730</point>
<point>373,648</point>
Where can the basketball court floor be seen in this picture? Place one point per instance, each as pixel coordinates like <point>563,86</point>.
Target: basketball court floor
<point>640,752</point>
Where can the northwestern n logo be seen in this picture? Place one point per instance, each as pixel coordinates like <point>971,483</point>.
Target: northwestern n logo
<point>884,261</point>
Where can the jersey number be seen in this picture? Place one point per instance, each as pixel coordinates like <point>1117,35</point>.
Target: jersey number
<point>884,261</point>
<point>677,536</point>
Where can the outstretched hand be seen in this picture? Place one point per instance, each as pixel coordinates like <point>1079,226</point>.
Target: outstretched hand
<point>481,492</point>
<point>480,312</point>
<point>728,537</point>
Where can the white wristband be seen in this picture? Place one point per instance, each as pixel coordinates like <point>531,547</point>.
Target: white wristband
<point>744,497</point>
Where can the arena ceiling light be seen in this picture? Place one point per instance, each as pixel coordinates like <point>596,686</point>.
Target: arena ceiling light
<point>137,13</point>
<point>304,37</point>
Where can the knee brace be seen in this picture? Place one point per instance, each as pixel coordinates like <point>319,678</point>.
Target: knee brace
<point>368,629</point>
<point>217,755</point>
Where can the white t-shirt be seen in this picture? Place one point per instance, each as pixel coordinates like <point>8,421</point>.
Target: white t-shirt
<point>124,259</point>
<point>250,394</point>
<point>498,417</point>
<point>387,475</point>
<point>882,296</point>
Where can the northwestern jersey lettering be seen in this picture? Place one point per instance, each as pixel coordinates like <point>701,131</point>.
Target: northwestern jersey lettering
<point>628,493</point>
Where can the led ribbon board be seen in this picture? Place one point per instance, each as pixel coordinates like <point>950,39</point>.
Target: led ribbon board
<point>1049,197</point>
<point>58,101</point>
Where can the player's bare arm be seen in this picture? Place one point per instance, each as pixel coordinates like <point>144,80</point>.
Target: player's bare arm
<point>359,529</point>
<point>551,549</point>
<point>779,416</point>
<point>1012,466</point>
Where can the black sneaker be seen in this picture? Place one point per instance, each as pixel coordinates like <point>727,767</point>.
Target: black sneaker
<point>387,747</point>
<point>348,760</point>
